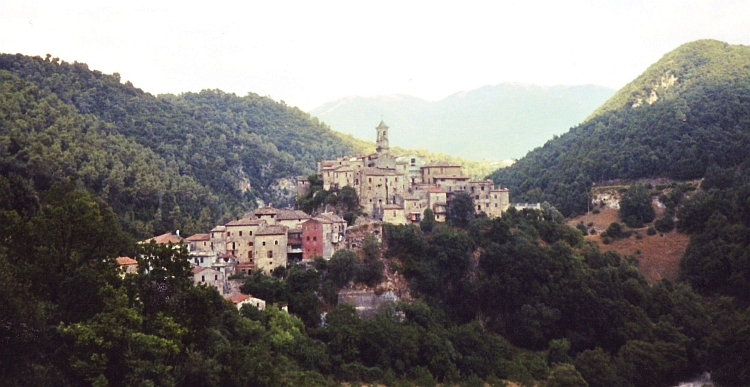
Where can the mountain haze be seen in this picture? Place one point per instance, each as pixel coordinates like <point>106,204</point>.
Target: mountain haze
<point>688,112</point>
<point>492,122</point>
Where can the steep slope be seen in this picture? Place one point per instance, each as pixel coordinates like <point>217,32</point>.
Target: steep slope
<point>684,114</point>
<point>203,156</point>
<point>492,122</point>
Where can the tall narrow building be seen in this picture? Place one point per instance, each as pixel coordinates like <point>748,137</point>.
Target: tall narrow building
<point>382,139</point>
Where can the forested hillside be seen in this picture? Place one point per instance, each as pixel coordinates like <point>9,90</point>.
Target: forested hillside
<point>688,112</point>
<point>162,162</point>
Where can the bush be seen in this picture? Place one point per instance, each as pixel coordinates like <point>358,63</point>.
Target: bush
<point>583,229</point>
<point>596,211</point>
<point>651,231</point>
<point>665,224</point>
<point>614,230</point>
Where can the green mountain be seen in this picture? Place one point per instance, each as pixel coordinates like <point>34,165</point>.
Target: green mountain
<point>162,162</point>
<point>686,113</point>
<point>493,122</point>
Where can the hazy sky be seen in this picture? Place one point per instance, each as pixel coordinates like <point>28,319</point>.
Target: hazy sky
<point>309,52</point>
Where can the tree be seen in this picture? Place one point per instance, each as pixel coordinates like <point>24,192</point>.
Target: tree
<point>428,222</point>
<point>343,267</point>
<point>565,375</point>
<point>635,206</point>
<point>461,209</point>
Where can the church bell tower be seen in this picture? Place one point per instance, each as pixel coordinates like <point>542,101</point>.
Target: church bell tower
<point>382,139</point>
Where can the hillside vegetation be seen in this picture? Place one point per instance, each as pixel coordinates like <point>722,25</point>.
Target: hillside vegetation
<point>166,162</point>
<point>688,112</point>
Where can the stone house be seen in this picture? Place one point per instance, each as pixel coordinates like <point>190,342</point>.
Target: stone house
<point>270,248</point>
<point>210,277</point>
<point>239,299</point>
<point>394,214</point>
<point>240,236</point>
<point>127,265</point>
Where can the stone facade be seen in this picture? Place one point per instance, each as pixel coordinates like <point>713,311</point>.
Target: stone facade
<point>406,185</point>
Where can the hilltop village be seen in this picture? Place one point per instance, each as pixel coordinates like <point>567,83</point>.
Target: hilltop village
<point>391,188</point>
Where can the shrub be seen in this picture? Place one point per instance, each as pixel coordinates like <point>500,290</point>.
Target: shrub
<point>665,224</point>
<point>595,211</point>
<point>614,230</point>
<point>651,230</point>
<point>583,229</point>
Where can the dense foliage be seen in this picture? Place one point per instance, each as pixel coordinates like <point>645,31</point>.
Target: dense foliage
<point>162,163</point>
<point>687,113</point>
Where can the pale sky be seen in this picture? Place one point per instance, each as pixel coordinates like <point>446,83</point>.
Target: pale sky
<point>310,52</point>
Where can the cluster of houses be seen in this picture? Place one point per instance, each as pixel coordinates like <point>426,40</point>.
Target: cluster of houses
<point>398,189</point>
<point>392,189</point>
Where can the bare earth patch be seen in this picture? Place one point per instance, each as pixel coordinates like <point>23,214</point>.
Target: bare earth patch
<point>658,256</point>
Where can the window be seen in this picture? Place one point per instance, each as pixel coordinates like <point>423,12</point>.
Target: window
<point>269,254</point>
<point>308,238</point>
<point>203,278</point>
<point>251,233</point>
<point>369,179</point>
<point>264,243</point>
<point>201,259</point>
<point>229,233</point>
<point>276,242</point>
<point>250,244</point>
<point>204,244</point>
<point>240,233</point>
<point>216,277</point>
<point>250,255</point>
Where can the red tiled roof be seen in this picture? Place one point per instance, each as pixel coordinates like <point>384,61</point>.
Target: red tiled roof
<point>198,269</point>
<point>198,237</point>
<point>238,297</point>
<point>126,261</point>
<point>392,207</point>
<point>163,239</point>
<point>288,214</point>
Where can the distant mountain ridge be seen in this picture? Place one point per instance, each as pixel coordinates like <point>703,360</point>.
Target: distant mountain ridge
<point>491,122</point>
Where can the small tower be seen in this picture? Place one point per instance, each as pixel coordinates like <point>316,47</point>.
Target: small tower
<point>382,141</point>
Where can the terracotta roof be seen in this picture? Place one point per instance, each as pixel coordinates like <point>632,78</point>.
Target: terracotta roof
<point>265,211</point>
<point>457,177</point>
<point>344,168</point>
<point>245,222</point>
<point>163,239</point>
<point>323,219</point>
<point>482,181</point>
<point>219,229</point>
<point>198,269</point>
<point>288,214</point>
<point>392,207</point>
<point>439,163</point>
<point>126,261</point>
<point>198,237</point>
<point>435,190</point>
<point>332,217</point>
<point>272,230</point>
<point>226,255</point>
<point>238,297</point>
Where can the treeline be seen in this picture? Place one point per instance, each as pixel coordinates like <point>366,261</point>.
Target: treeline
<point>163,162</point>
<point>699,119</point>
<point>521,297</point>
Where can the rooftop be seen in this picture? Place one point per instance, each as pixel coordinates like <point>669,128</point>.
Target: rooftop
<point>272,230</point>
<point>246,222</point>
<point>198,237</point>
<point>163,239</point>
<point>126,261</point>
<point>439,163</point>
